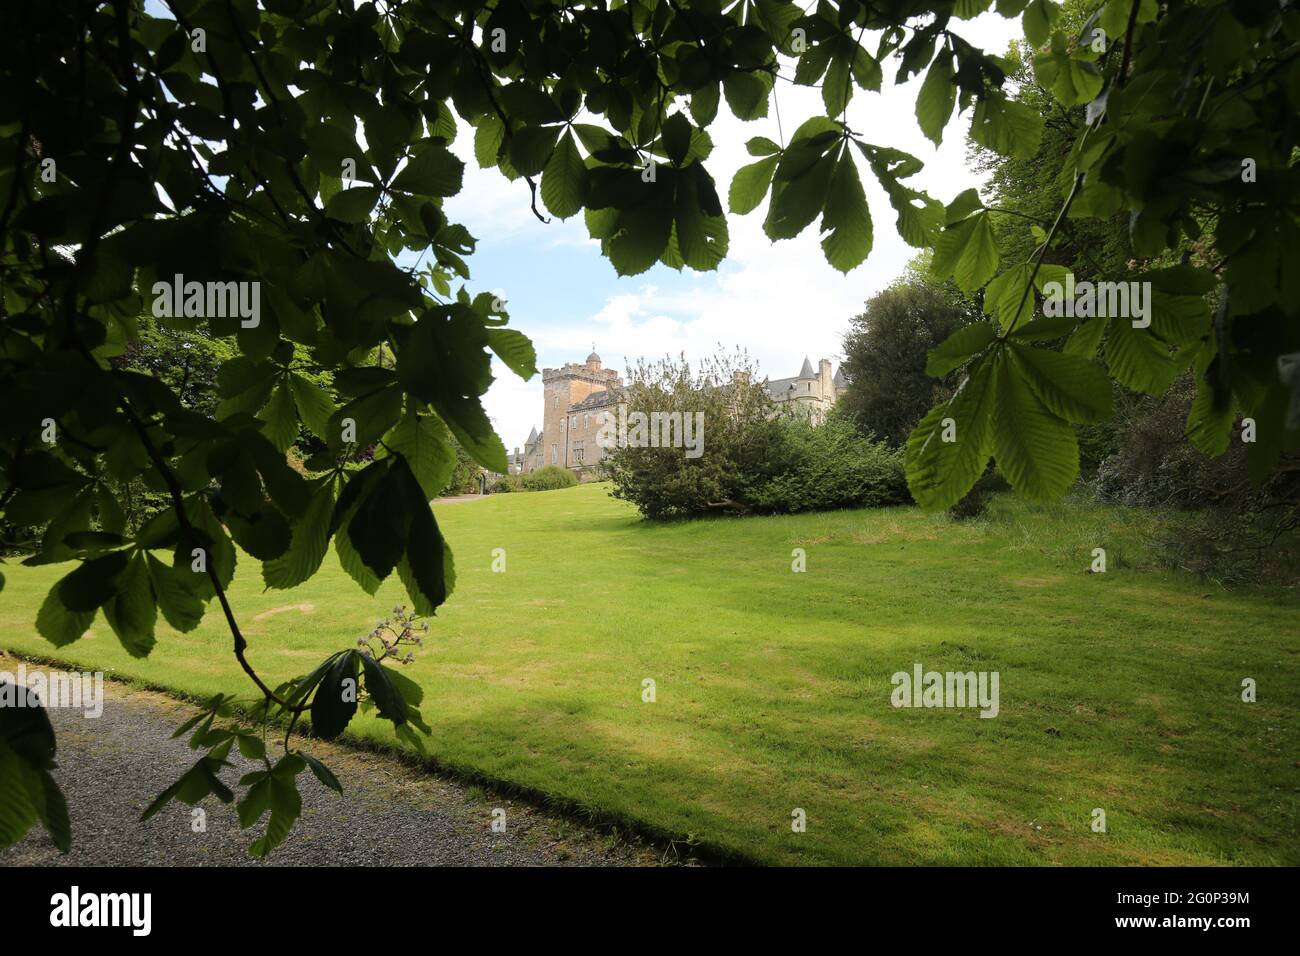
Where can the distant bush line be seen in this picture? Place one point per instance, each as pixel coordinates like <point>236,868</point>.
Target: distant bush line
<point>548,478</point>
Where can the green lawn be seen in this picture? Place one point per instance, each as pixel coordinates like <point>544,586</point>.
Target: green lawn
<point>1117,690</point>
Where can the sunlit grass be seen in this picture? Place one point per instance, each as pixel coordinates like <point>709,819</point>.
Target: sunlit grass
<point>1119,691</point>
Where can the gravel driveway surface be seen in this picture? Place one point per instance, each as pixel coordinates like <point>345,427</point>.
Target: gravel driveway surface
<point>390,814</point>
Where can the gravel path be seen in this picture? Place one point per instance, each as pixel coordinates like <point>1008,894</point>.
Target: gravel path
<point>390,814</point>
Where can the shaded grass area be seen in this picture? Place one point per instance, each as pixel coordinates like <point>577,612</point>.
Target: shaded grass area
<point>1119,691</point>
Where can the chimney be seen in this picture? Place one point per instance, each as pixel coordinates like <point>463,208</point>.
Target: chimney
<point>824,376</point>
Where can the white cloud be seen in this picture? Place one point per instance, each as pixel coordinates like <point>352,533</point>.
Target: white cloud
<point>780,301</point>
<point>513,405</point>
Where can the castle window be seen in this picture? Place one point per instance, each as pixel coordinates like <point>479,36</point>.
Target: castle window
<point>554,456</point>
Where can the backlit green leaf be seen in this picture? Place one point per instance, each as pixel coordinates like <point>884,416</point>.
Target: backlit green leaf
<point>564,179</point>
<point>1071,387</point>
<point>966,342</point>
<point>1036,450</point>
<point>937,97</point>
<point>948,450</point>
<point>432,170</point>
<point>968,252</point>
<point>847,220</point>
<point>309,543</point>
<point>749,185</point>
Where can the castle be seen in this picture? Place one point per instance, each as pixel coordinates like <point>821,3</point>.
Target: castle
<point>576,397</point>
<point>809,392</point>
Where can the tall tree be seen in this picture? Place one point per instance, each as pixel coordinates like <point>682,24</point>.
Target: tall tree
<point>1029,188</point>
<point>886,351</point>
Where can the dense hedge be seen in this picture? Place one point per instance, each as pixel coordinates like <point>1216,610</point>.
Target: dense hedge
<point>736,434</point>
<point>830,466</point>
<point>793,465</point>
<point>548,478</point>
<point>506,484</point>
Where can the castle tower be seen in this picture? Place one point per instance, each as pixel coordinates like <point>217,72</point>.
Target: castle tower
<point>813,391</point>
<point>562,388</point>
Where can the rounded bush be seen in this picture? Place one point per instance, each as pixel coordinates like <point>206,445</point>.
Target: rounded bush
<point>549,478</point>
<point>505,484</point>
